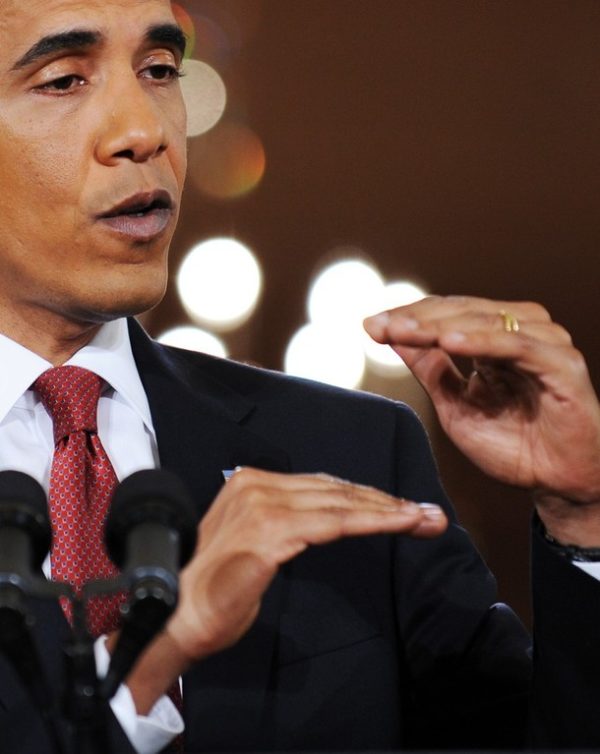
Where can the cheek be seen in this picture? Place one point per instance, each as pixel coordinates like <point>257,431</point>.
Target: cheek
<point>37,173</point>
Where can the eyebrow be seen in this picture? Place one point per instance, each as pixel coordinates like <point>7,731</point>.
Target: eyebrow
<point>77,39</point>
<point>170,35</point>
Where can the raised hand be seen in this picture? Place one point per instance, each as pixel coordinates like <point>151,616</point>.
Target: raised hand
<point>261,520</point>
<point>527,414</point>
<point>258,521</point>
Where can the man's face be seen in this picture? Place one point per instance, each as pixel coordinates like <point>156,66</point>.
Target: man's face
<point>92,155</point>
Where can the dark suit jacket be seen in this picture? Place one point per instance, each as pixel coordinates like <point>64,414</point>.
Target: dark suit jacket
<point>369,643</point>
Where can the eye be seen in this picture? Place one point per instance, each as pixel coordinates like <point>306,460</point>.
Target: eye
<point>162,72</point>
<point>62,85</point>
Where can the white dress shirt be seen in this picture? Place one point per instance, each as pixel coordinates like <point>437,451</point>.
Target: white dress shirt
<point>126,431</point>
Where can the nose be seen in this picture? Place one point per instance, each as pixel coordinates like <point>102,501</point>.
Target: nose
<point>133,126</point>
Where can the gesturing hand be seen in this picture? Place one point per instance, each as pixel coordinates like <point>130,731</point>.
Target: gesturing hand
<point>261,520</point>
<point>527,414</point>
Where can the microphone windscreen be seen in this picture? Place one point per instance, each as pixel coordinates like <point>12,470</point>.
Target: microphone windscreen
<point>150,496</point>
<point>23,504</point>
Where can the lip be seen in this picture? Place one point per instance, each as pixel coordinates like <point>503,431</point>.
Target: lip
<point>155,210</point>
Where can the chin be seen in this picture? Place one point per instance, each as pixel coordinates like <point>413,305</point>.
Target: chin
<point>119,304</point>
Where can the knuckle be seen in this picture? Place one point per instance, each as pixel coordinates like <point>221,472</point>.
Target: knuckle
<point>255,495</point>
<point>577,362</point>
<point>324,477</point>
<point>454,299</point>
<point>534,310</point>
<point>561,333</point>
<point>242,479</point>
<point>349,492</point>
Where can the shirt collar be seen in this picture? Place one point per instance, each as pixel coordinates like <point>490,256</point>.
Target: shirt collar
<point>108,354</point>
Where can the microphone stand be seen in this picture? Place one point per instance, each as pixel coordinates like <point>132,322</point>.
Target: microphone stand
<point>86,697</point>
<point>18,646</point>
<point>153,597</point>
<point>83,707</point>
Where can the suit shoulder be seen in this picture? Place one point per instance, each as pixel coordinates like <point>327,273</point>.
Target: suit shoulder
<point>259,383</point>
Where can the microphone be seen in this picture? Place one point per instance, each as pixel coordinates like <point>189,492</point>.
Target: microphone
<point>25,532</point>
<point>25,539</point>
<point>150,534</point>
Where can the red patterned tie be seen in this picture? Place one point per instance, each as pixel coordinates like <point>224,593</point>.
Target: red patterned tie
<point>82,482</point>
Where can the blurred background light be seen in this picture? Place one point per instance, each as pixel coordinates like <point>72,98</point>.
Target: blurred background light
<point>193,339</point>
<point>345,292</point>
<point>219,283</point>
<point>327,354</point>
<point>401,293</point>
<point>227,162</point>
<point>205,96</point>
<point>381,359</point>
<point>213,45</point>
<point>188,27</point>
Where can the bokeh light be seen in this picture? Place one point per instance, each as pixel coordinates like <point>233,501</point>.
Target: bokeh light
<point>186,22</point>
<point>345,292</point>
<point>205,96</point>
<point>220,283</point>
<point>325,353</point>
<point>193,339</point>
<point>213,45</point>
<point>382,359</point>
<point>227,162</point>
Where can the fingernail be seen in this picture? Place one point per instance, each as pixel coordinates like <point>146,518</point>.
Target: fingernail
<point>431,511</point>
<point>410,507</point>
<point>378,320</point>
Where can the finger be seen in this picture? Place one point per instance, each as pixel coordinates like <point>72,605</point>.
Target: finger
<point>490,325</point>
<point>310,490</point>
<point>434,334</point>
<point>282,514</point>
<point>415,317</point>
<point>433,307</point>
<point>423,333</point>
<point>525,353</point>
<point>323,525</point>
<point>433,368</point>
<point>297,492</point>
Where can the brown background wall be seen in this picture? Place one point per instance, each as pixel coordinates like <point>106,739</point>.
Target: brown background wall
<point>457,142</point>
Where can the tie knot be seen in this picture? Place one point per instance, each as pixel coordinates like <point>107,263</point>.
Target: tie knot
<point>70,395</point>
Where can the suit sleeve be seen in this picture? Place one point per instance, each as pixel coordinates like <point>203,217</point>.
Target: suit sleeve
<point>566,681</point>
<point>468,657</point>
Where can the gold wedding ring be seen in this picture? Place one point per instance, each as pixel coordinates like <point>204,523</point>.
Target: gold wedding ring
<point>509,321</point>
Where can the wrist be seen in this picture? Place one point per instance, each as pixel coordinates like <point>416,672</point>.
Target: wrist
<point>573,553</point>
<point>156,671</point>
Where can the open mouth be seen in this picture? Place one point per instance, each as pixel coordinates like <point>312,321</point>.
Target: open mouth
<point>141,204</point>
<point>141,217</point>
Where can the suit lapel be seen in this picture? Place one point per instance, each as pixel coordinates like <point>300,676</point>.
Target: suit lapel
<point>197,422</point>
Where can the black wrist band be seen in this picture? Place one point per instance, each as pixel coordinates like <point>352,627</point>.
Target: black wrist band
<point>572,552</point>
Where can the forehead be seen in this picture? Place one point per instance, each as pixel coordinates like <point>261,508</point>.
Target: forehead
<point>24,22</point>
